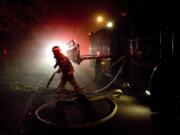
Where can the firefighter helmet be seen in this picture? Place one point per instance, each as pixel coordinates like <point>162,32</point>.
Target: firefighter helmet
<point>56,48</point>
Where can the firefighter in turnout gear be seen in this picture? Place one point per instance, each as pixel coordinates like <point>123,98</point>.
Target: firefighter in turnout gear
<point>66,68</point>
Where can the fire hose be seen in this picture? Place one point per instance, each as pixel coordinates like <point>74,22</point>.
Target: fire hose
<point>101,90</point>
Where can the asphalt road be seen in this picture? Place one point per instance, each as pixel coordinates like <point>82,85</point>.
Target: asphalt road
<point>20,95</point>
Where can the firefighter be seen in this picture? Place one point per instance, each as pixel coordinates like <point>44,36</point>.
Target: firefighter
<point>66,68</point>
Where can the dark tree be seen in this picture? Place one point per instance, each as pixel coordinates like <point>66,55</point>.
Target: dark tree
<point>18,16</point>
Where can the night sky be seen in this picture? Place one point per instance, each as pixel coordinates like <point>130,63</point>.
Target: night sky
<point>56,19</point>
<point>48,20</point>
<point>74,19</point>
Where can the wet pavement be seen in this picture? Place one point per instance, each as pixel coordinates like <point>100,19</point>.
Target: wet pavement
<point>22,93</point>
<point>77,113</point>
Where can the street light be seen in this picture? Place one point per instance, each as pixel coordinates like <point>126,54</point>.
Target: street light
<point>100,19</point>
<point>110,24</point>
<point>103,22</point>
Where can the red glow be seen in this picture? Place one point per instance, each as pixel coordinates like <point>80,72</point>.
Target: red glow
<point>63,30</point>
<point>123,14</point>
<point>98,53</point>
<point>5,52</point>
